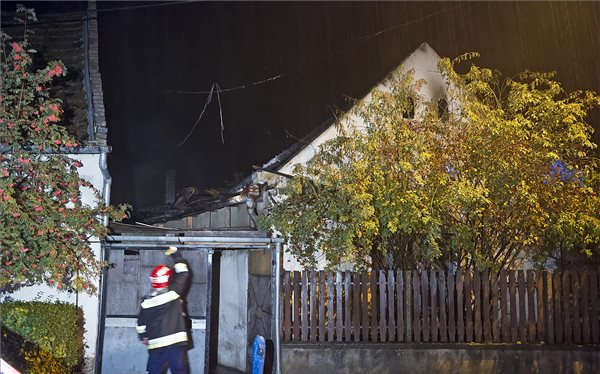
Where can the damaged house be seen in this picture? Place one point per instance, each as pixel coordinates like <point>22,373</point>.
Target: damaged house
<point>234,287</point>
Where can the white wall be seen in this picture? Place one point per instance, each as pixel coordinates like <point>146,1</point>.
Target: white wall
<point>233,310</point>
<point>90,304</point>
<point>423,62</point>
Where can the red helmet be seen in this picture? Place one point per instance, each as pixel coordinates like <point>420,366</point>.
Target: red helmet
<point>160,276</point>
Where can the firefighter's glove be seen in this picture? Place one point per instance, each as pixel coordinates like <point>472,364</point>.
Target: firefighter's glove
<point>171,250</point>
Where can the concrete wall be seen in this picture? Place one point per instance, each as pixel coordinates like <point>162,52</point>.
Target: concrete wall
<point>124,354</point>
<point>440,359</point>
<point>233,310</point>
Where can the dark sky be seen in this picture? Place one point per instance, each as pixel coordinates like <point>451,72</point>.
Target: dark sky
<point>321,52</point>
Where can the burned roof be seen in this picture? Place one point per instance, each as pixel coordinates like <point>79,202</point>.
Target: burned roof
<point>73,39</point>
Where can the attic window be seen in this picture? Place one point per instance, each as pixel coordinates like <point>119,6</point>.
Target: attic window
<point>409,112</point>
<point>442,109</point>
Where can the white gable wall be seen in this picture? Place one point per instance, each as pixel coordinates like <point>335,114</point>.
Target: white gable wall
<point>423,62</point>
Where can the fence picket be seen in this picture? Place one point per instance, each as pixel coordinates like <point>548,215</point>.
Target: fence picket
<point>566,312</point>
<point>374,306</point>
<point>433,324</point>
<point>330,306</point>
<point>356,307</point>
<point>504,320</point>
<point>287,307</point>
<point>365,305</point>
<point>477,302</point>
<point>549,293</point>
<point>451,308</point>
<point>347,307</point>
<point>382,306</point>
<point>460,307</point>
<point>339,322</point>
<point>595,298</point>
<point>541,313</point>
<point>585,307</point>
<point>322,306</point>
<point>514,323</point>
<point>468,296</point>
<point>425,305</point>
<point>296,309</point>
<point>304,307</point>
<point>576,290</point>
<point>391,287</point>
<point>522,306</point>
<point>494,307</point>
<point>442,307</point>
<point>400,305</point>
<point>558,320</point>
<point>313,306</point>
<point>416,291</point>
<point>530,306</point>
<point>487,325</point>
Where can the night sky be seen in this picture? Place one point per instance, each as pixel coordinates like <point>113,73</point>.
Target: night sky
<point>284,68</point>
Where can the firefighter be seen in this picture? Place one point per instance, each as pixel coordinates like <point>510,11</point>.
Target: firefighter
<point>162,324</point>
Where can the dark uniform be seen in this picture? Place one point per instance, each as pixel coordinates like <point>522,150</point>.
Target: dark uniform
<point>162,323</point>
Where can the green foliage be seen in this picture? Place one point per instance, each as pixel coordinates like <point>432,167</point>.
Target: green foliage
<point>45,229</point>
<point>507,174</point>
<point>53,333</point>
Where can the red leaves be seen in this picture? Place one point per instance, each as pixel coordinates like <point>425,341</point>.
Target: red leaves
<point>16,47</point>
<point>56,71</point>
<point>46,220</point>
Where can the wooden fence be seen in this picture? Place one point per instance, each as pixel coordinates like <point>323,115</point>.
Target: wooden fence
<point>438,306</point>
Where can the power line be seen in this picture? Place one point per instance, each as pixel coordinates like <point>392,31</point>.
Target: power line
<point>82,13</point>
<point>347,45</point>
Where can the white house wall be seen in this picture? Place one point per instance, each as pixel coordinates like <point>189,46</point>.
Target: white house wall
<point>423,62</point>
<point>89,304</point>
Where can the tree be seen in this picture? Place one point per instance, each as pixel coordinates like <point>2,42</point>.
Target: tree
<point>507,173</point>
<point>45,228</point>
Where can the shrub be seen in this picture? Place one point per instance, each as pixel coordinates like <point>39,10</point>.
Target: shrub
<point>52,332</point>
